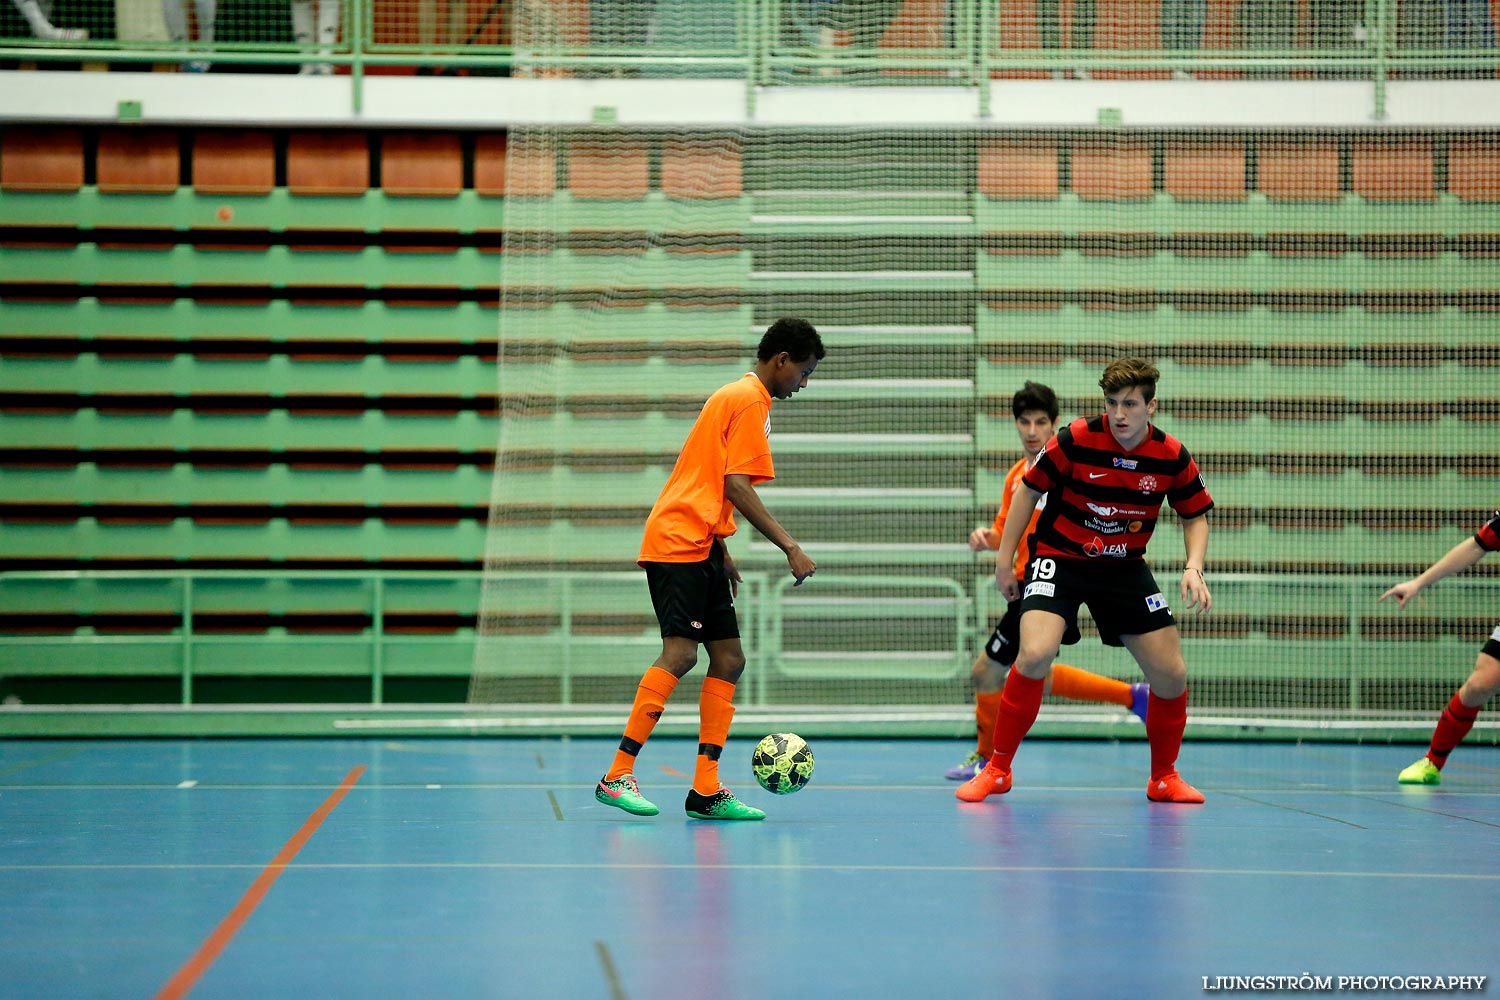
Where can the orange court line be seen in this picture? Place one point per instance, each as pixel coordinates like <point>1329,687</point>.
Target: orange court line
<point>673,771</point>
<point>183,981</point>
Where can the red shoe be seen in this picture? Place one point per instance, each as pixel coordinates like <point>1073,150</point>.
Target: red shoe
<point>993,780</point>
<point>1171,788</point>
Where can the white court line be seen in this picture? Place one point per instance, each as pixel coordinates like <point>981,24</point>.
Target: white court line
<point>187,784</point>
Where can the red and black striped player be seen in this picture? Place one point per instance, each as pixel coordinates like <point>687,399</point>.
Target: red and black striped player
<point>1105,479</point>
<point>1484,681</point>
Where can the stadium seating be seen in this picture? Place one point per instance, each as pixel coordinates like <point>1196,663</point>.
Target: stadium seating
<point>260,354</point>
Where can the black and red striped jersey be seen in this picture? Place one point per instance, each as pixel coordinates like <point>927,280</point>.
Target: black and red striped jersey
<point>1488,536</point>
<point>1104,501</point>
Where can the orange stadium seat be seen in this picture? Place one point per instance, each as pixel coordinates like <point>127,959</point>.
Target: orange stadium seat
<point>523,168</point>
<point>608,168</point>
<point>328,163</point>
<point>1018,29</point>
<point>702,167</point>
<point>1111,170</point>
<point>1474,169</point>
<point>41,159</point>
<point>421,164</point>
<point>1129,25</point>
<point>233,162</point>
<point>1205,169</point>
<point>138,161</point>
<point>489,164</point>
<point>1393,169</point>
<point>1298,170</point>
<point>1018,168</point>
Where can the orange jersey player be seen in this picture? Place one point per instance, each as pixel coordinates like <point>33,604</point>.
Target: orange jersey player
<point>693,578</point>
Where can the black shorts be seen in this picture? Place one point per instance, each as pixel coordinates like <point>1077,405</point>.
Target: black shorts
<point>694,600</point>
<point>1492,645</point>
<point>1005,641</point>
<point>1122,596</point>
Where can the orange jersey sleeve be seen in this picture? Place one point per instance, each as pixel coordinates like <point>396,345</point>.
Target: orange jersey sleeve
<point>1013,483</point>
<point>730,437</point>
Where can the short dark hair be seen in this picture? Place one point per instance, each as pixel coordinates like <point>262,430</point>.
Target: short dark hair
<point>1127,373</point>
<point>1034,396</point>
<point>794,336</point>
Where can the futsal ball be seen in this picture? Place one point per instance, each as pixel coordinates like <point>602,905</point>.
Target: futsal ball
<point>782,762</point>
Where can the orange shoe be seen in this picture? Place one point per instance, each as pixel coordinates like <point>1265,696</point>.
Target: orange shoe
<point>1171,788</point>
<point>993,780</point>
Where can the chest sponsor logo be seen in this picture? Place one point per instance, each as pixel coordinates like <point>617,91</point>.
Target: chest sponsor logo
<point>1156,602</point>
<point>1043,588</point>
<point>1110,510</point>
<point>1096,548</point>
<point>1103,527</point>
<point>1147,484</point>
<point>1125,463</point>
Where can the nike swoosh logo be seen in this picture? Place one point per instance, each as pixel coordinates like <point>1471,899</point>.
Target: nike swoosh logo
<point>612,793</point>
<point>1097,475</point>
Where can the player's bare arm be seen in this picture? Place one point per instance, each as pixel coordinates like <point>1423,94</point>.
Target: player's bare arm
<point>1023,503</point>
<point>1194,583</point>
<point>739,491</point>
<point>1459,558</point>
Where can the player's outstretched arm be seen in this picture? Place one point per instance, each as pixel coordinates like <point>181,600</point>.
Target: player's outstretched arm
<point>1459,558</point>
<point>1022,503</point>
<point>739,491</point>
<point>1194,584</point>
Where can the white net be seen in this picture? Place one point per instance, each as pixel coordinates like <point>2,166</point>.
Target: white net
<point>1321,307</point>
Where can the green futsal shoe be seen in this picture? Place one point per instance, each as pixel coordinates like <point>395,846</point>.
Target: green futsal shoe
<point>1423,772</point>
<point>720,805</point>
<point>625,793</point>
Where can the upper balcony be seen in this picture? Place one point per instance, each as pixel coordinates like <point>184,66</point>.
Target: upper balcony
<point>1108,63</point>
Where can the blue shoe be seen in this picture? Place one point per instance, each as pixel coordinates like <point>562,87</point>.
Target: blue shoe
<point>972,765</point>
<point>1139,697</point>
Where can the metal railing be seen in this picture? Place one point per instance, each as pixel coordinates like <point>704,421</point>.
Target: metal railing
<point>769,42</point>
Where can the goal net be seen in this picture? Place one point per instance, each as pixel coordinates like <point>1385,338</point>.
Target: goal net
<point>1321,306</point>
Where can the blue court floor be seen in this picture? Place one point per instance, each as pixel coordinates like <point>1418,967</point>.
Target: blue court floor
<point>483,868</point>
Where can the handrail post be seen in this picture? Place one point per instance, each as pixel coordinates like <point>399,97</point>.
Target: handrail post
<point>377,654</point>
<point>187,640</point>
<point>1382,55</point>
<point>357,13</point>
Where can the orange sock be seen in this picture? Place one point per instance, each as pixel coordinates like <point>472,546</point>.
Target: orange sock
<point>1080,685</point>
<point>715,712</point>
<point>986,711</point>
<point>650,700</point>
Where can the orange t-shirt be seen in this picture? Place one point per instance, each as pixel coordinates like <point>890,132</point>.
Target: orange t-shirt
<point>1013,483</point>
<point>730,437</point>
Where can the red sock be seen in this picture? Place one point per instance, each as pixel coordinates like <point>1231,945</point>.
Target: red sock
<point>1166,718</point>
<point>1453,725</point>
<point>986,711</point>
<point>1019,702</point>
<point>650,699</point>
